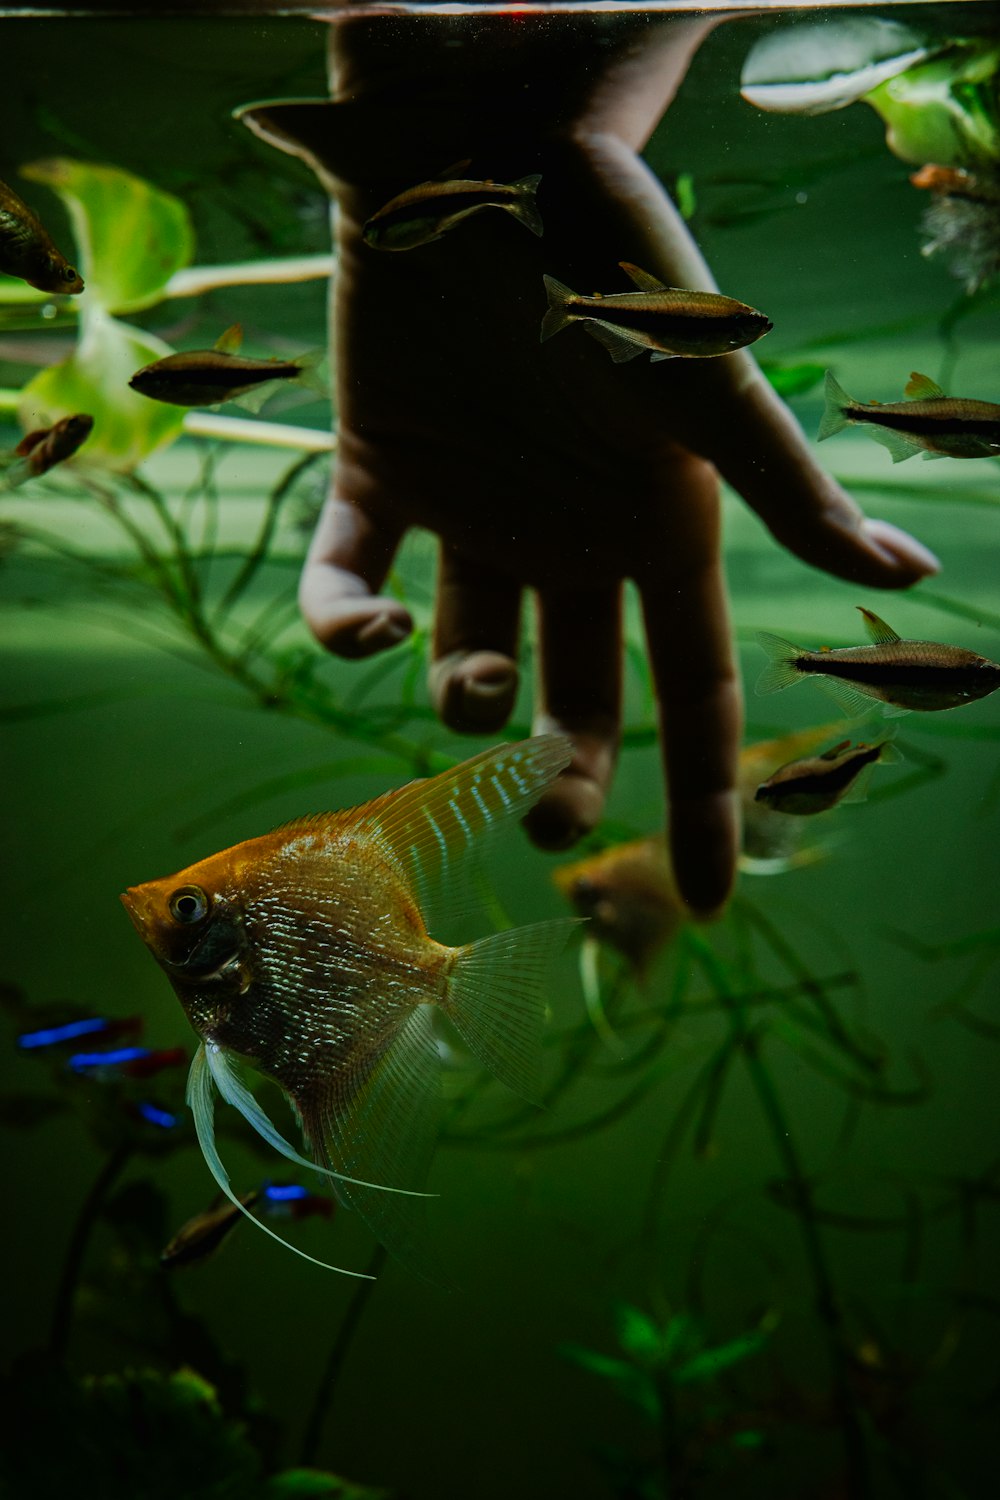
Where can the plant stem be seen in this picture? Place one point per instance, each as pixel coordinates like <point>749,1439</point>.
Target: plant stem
<point>194,280</point>
<point>93,1203</point>
<point>244,430</point>
<point>337,1358</point>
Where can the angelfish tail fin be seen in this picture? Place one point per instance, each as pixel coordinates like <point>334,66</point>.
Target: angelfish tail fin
<point>496,998</point>
<point>838,402</point>
<point>557,317</point>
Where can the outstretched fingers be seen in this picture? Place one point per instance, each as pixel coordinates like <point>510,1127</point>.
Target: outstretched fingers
<point>350,554</point>
<point>473,676</point>
<point>695,676</point>
<point>759,448</point>
<point>579,695</point>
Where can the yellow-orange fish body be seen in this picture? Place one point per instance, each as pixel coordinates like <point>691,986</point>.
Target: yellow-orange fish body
<point>629,894</point>
<point>305,953</point>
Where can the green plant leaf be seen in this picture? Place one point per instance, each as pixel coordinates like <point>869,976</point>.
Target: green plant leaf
<point>711,1362</point>
<point>638,1335</point>
<point>630,1383</point>
<point>130,236</point>
<point>311,1484</point>
<point>94,379</point>
<point>946,110</point>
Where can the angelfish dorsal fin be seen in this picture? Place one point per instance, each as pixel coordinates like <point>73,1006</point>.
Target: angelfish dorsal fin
<point>430,825</point>
<point>231,341</point>
<point>922,388</point>
<point>642,279</point>
<point>881,633</point>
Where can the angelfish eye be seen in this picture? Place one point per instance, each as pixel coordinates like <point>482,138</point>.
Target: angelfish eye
<point>189,904</point>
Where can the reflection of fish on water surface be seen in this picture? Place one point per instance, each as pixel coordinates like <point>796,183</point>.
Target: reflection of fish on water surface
<point>669,322</point>
<point>210,377</point>
<point>930,422</point>
<point>27,250</point>
<point>305,953</point>
<point>902,674</point>
<point>427,211</point>
<point>817,783</point>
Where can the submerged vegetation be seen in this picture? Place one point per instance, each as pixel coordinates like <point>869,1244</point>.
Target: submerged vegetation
<point>730,1314</point>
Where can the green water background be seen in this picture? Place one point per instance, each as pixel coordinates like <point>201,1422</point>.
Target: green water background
<point>464,1392</point>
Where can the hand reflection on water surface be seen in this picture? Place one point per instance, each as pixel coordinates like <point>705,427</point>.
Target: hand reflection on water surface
<point>548,466</point>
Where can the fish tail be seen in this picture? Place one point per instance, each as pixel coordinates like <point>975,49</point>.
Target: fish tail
<point>524,207</point>
<point>837,404</point>
<point>309,374</point>
<point>495,997</point>
<point>781,671</point>
<point>557,317</point>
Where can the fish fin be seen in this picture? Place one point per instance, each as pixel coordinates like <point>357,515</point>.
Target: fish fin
<point>524,208</point>
<point>642,279</point>
<point>236,1093</point>
<point>851,701</point>
<point>922,388</point>
<point>781,672</point>
<point>837,404</point>
<point>890,754</point>
<point>17,473</point>
<point>618,345</point>
<point>231,341</point>
<point>199,1098</point>
<point>454,169</point>
<point>590,984</point>
<point>900,446</point>
<point>877,630</point>
<point>254,399</point>
<point>31,440</point>
<point>894,711</point>
<point>308,367</point>
<point>495,997</point>
<point>835,750</point>
<point>378,1119</point>
<point>858,791</point>
<point>428,826</point>
<point>658,355</point>
<point>557,317</point>
<point>929,454</point>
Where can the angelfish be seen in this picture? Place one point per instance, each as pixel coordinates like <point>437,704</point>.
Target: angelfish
<point>930,422</point>
<point>902,674</point>
<point>305,953</point>
<point>427,211</point>
<point>816,783</point>
<point>669,322</point>
<point>208,377</point>
<point>27,250</point>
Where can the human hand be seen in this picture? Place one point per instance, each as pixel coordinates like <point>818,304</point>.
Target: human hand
<point>547,466</point>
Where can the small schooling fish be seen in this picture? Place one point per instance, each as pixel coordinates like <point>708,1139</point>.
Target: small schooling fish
<point>103,1027</point>
<point>204,1234</point>
<point>818,782</point>
<point>42,449</point>
<point>902,674</point>
<point>305,953</point>
<point>209,377</point>
<point>128,1062</point>
<point>427,211</point>
<point>930,422</point>
<point>669,322</point>
<point>27,251</point>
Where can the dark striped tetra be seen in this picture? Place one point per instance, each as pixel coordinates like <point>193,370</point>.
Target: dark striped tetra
<point>816,783</point>
<point>930,422</point>
<point>669,322</point>
<point>427,211</point>
<point>903,674</point>
<point>209,377</point>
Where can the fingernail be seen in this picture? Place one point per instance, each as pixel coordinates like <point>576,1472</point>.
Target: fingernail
<point>899,548</point>
<point>704,842</point>
<point>570,808</point>
<point>383,630</point>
